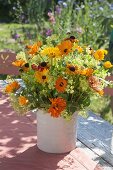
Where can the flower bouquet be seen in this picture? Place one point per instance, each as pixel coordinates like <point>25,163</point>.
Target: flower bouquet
<point>59,78</point>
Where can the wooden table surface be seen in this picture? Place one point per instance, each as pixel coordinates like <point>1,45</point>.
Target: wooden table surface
<point>18,149</point>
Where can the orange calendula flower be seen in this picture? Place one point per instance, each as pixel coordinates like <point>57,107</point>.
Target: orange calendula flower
<point>33,49</point>
<point>22,100</point>
<point>42,76</point>
<point>12,87</point>
<point>108,64</point>
<point>100,54</point>
<point>18,63</point>
<point>57,106</point>
<point>65,47</point>
<point>61,84</point>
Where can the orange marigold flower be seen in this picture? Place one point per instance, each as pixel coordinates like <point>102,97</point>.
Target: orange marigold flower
<point>54,111</point>
<point>94,83</point>
<point>100,54</point>
<point>18,63</point>
<point>22,100</point>
<point>87,72</point>
<point>108,64</point>
<point>12,87</point>
<point>65,47</point>
<point>101,92</point>
<point>61,84</point>
<point>33,49</point>
<point>57,106</point>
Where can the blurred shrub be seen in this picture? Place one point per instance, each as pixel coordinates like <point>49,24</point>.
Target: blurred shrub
<point>89,20</point>
<point>10,8</point>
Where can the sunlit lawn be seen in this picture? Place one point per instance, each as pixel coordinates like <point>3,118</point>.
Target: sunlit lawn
<point>6,40</point>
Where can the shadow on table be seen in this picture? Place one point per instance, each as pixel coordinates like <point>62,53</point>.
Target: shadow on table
<point>35,159</point>
<point>32,159</point>
<point>15,130</point>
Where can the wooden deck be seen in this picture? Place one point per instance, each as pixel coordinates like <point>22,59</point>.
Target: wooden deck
<point>18,150</point>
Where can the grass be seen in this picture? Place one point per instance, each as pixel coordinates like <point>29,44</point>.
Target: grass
<point>6,40</point>
<point>101,106</point>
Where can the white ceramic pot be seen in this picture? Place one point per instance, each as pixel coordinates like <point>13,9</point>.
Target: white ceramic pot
<point>56,135</point>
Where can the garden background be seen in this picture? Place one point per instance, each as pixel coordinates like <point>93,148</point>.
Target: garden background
<point>90,21</point>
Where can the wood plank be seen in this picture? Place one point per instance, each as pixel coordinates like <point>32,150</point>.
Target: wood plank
<point>94,156</point>
<point>84,159</point>
<point>96,133</point>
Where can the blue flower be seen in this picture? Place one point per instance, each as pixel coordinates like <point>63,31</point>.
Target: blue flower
<point>64,4</point>
<point>101,8</point>
<point>111,6</point>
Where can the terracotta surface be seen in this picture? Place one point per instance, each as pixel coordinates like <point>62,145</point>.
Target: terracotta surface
<point>18,150</point>
<point>6,67</point>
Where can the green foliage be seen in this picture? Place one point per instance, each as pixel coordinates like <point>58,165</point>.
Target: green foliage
<point>101,106</point>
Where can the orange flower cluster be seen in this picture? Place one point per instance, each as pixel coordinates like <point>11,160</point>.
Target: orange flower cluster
<point>108,64</point>
<point>57,106</point>
<point>12,87</point>
<point>99,54</point>
<point>87,72</point>
<point>73,70</point>
<point>65,47</point>
<point>18,63</point>
<point>22,100</point>
<point>24,67</point>
<point>33,49</point>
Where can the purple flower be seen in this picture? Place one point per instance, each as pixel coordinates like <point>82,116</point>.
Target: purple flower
<point>49,32</point>
<point>50,13</point>
<point>15,36</point>
<point>79,30</point>
<point>52,20</point>
<point>58,9</point>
